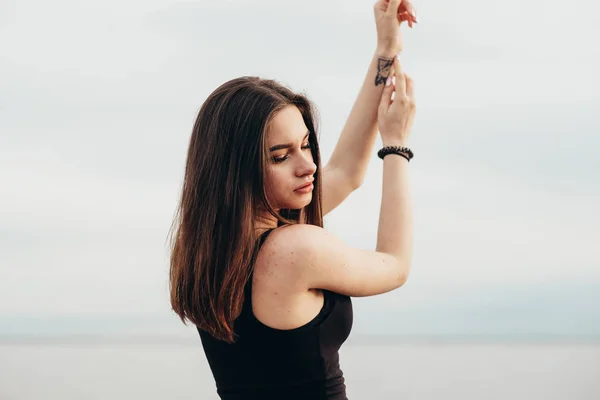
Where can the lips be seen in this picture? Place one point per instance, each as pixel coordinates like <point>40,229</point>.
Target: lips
<point>305,185</point>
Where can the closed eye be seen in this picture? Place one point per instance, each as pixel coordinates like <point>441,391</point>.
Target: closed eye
<point>283,158</point>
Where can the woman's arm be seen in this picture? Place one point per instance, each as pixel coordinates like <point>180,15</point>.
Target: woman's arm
<point>355,145</point>
<point>353,151</point>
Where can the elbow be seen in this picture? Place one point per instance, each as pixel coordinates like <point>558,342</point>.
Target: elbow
<point>356,183</point>
<point>403,274</point>
<point>402,279</point>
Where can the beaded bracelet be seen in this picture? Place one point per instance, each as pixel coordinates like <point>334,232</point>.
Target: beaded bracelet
<point>396,150</point>
<point>399,154</point>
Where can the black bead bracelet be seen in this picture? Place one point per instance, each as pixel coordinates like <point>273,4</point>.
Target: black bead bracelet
<point>401,151</point>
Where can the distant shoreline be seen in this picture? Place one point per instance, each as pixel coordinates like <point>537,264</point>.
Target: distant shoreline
<point>361,340</point>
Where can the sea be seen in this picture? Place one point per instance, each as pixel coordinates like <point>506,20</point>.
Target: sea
<point>152,369</point>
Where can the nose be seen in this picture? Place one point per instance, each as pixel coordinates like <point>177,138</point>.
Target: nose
<point>307,165</point>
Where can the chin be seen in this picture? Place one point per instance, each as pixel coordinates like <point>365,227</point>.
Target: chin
<point>298,204</point>
<point>305,203</point>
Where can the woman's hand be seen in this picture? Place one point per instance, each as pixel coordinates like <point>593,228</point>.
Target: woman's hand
<point>389,15</point>
<point>395,117</point>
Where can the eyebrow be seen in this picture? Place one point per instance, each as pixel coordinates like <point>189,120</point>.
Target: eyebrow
<point>286,145</point>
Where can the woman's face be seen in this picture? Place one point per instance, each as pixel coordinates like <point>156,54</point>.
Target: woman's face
<point>290,163</point>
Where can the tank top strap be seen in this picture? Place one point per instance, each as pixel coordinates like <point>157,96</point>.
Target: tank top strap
<point>264,235</point>
<point>261,241</point>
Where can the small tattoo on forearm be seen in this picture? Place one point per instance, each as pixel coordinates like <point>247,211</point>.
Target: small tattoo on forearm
<point>383,70</point>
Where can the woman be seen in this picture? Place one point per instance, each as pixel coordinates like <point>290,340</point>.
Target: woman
<point>267,287</point>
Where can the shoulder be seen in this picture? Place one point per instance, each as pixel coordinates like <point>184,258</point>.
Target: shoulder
<point>299,248</point>
<point>288,246</point>
<point>281,255</point>
<point>291,239</point>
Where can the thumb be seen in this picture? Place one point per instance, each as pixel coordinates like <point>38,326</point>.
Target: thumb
<point>386,96</point>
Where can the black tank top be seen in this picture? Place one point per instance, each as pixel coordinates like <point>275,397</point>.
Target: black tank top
<point>266,363</point>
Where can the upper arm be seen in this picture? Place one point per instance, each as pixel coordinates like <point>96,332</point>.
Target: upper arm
<point>319,260</point>
<point>336,187</point>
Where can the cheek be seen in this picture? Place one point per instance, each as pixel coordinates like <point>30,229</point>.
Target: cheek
<point>275,183</point>
<point>278,179</point>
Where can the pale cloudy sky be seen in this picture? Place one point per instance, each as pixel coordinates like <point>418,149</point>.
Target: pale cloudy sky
<point>97,102</point>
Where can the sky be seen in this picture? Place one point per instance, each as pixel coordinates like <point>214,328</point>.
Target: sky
<point>97,103</point>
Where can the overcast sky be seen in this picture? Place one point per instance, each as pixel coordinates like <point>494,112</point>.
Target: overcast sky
<point>97,102</point>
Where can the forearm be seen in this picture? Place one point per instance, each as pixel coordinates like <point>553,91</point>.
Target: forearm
<point>395,231</point>
<point>355,146</point>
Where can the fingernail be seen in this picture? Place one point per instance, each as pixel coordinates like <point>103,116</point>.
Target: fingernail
<point>388,81</point>
<point>394,80</point>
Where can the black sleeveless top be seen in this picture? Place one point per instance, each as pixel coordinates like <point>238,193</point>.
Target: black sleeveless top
<point>266,363</point>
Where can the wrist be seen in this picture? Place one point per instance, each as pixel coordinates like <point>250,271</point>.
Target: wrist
<point>394,142</point>
<point>399,150</point>
<point>385,52</point>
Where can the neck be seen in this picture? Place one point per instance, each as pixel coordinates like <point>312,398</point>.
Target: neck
<point>263,222</point>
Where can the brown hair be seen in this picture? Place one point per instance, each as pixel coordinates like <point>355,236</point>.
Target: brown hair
<point>213,236</point>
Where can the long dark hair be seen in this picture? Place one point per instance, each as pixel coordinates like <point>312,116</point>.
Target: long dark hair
<point>213,236</point>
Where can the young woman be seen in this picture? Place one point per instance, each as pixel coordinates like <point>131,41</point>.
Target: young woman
<point>251,266</point>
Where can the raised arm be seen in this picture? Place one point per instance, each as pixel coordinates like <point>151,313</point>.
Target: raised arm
<point>354,149</point>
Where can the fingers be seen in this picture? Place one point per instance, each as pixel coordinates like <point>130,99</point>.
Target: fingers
<point>401,8</point>
<point>386,96</point>
<point>405,87</point>
<point>406,16</point>
<point>409,8</point>
<point>400,80</point>
<point>407,12</point>
<point>410,87</point>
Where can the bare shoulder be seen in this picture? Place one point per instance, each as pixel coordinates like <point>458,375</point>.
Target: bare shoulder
<point>293,244</point>
<point>294,237</point>
<point>283,244</point>
<point>317,259</point>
